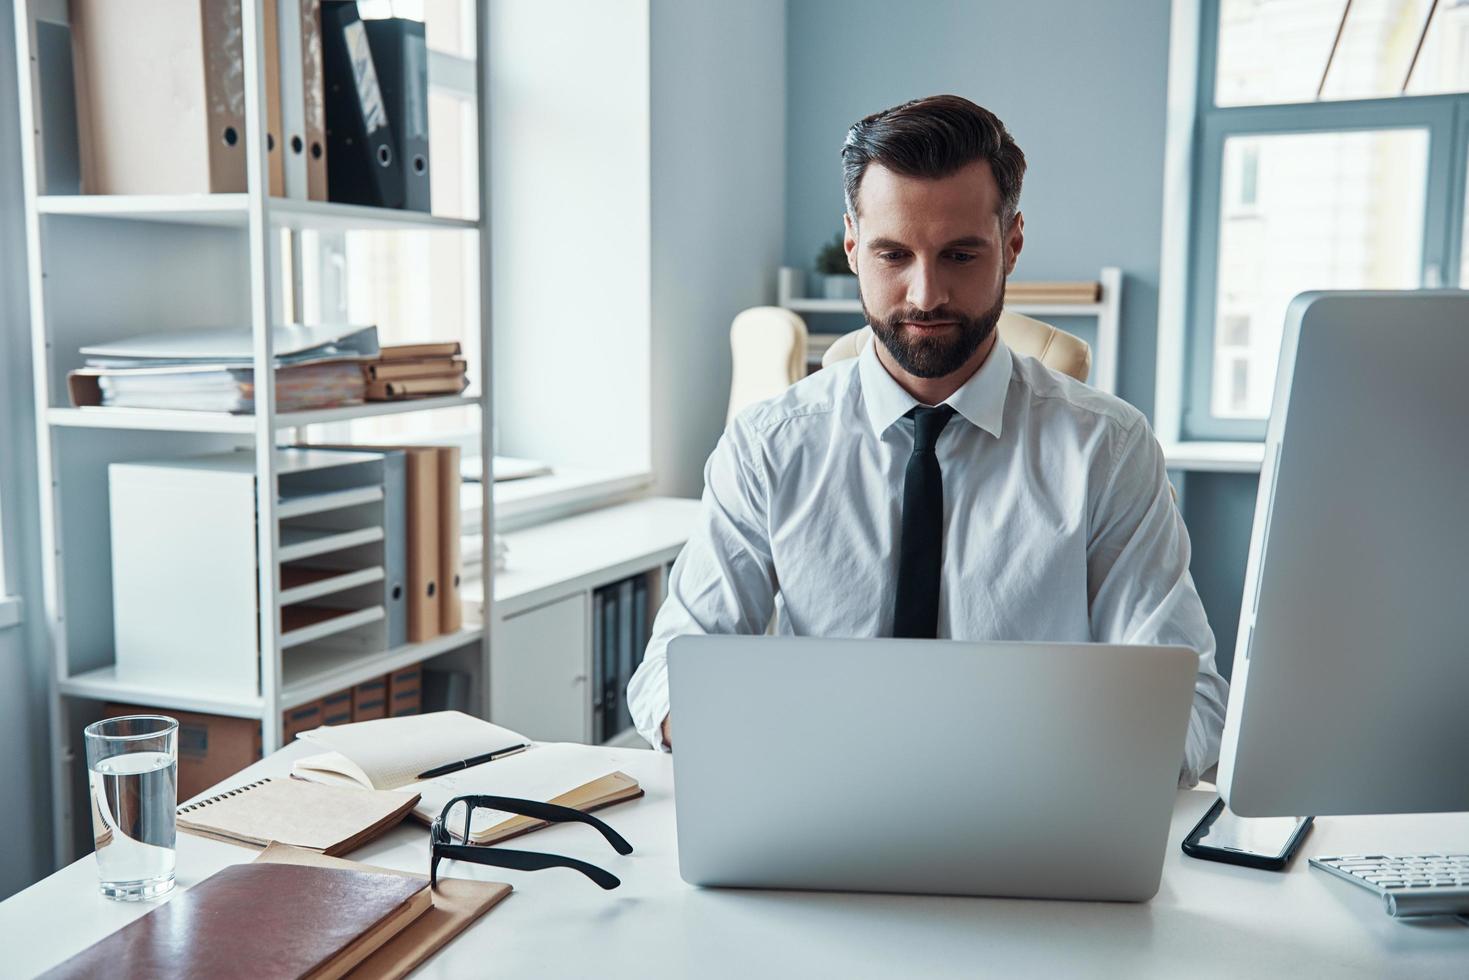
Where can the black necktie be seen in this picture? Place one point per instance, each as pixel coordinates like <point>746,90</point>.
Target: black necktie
<point>916,611</point>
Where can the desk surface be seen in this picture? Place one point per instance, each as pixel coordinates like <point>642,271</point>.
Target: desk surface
<point>1208,919</point>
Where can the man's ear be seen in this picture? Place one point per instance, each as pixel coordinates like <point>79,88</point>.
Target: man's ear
<point>1014,242</point>
<point>849,241</point>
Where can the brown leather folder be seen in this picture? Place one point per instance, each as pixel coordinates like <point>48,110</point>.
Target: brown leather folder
<point>260,920</point>
<point>457,902</point>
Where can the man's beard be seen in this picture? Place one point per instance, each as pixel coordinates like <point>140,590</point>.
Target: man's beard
<point>935,357</point>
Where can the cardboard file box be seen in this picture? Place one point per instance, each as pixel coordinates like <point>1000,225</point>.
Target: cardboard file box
<point>336,709</point>
<point>405,691</point>
<point>211,747</point>
<point>300,719</point>
<point>370,699</point>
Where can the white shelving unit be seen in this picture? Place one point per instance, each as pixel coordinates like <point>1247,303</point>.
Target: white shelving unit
<point>106,267</point>
<point>1107,312</point>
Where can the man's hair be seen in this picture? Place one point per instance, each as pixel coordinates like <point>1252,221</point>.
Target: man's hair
<point>934,137</point>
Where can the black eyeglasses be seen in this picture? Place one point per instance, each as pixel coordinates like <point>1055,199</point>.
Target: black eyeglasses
<point>442,845</point>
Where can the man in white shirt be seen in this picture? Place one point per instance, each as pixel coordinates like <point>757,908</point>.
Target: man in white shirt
<point>937,485</point>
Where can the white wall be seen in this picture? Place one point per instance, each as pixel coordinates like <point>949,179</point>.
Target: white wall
<point>718,167</point>
<point>570,225</point>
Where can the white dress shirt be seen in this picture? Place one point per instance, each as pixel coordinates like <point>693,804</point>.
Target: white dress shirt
<point>1059,525</point>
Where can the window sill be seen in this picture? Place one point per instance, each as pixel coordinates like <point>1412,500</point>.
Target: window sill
<point>9,611</point>
<point>1217,457</point>
<point>534,500</point>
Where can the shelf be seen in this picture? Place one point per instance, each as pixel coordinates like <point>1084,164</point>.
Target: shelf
<point>308,675</point>
<point>305,584</point>
<point>103,684</point>
<point>232,210</point>
<point>320,503</point>
<point>1215,457</point>
<point>312,674</point>
<point>804,305</point>
<point>164,420</point>
<point>314,623</point>
<point>536,498</point>
<point>305,542</point>
<point>1056,309</point>
<point>553,560</point>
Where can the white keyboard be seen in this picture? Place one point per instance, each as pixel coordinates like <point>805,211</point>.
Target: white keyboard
<point>1410,884</point>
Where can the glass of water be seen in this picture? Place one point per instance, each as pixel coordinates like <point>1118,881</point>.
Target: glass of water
<point>132,765</point>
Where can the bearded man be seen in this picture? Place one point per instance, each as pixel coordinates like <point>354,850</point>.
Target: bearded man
<point>937,485</point>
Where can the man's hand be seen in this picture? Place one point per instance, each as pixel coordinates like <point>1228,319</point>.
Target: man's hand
<point>668,730</point>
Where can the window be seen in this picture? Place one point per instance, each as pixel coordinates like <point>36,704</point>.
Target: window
<point>420,285</point>
<point>1329,153</point>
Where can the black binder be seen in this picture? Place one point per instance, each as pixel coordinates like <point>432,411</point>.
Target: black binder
<point>400,54</point>
<point>362,160</point>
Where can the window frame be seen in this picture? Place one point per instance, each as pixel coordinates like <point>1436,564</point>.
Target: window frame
<point>1444,117</point>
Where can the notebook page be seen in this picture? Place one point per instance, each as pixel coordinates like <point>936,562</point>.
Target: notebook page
<point>541,773</point>
<point>332,769</point>
<point>391,752</point>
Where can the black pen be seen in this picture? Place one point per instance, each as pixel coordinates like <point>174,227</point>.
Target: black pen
<point>472,761</point>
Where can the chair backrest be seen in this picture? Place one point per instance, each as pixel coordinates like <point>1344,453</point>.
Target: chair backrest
<point>1054,348</point>
<point>767,346</point>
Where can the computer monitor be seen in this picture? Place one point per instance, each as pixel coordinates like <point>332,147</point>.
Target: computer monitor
<point>1350,691</point>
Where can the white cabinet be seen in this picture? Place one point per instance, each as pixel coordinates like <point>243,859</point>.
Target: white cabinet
<point>540,675</point>
<point>541,669</point>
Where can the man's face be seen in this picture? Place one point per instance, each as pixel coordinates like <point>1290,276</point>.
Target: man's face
<point>931,259</point>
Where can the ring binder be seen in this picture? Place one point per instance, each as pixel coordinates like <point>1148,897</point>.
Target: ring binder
<point>200,804</point>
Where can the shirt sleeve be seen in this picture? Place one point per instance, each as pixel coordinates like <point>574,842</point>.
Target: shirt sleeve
<point>1139,584</point>
<point>723,581</point>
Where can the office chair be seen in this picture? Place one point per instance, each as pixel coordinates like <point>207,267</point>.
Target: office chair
<point>1055,348</point>
<point>767,346</point>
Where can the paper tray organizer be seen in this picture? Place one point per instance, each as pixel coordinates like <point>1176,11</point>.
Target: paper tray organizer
<point>184,566</point>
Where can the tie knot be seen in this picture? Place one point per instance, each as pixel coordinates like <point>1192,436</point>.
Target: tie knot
<point>927,424</point>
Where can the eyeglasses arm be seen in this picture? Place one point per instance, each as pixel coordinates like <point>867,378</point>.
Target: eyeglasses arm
<point>518,861</point>
<point>549,812</point>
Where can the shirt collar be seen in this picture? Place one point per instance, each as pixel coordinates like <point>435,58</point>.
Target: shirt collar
<point>981,399</point>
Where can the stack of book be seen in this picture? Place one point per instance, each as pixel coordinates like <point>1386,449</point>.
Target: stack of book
<point>415,371</point>
<point>212,370</point>
<point>1053,292</point>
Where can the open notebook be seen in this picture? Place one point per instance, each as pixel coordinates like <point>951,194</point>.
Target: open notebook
<point>330,819</point>
<point>388,754</point>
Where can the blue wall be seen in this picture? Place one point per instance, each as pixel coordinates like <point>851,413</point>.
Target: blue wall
<point>1082,88</point>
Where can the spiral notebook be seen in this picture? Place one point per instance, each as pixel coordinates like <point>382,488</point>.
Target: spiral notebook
<point>330,819</point>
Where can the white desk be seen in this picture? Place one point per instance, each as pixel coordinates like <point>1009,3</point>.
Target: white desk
<point>1208,919</point>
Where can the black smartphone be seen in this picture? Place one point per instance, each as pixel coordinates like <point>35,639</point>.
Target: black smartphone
<point>1255,842</point>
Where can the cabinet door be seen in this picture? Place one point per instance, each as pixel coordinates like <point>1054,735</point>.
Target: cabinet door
<point>540,666</point>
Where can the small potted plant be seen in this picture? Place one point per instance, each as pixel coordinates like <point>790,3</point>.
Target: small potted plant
<point>837,281</point>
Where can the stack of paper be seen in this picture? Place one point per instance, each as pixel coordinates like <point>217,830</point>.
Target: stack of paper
<point>389,753</point>
<point>212,370</point>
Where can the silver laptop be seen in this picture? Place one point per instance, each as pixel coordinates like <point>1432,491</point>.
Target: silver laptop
<point>1036,770</point>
